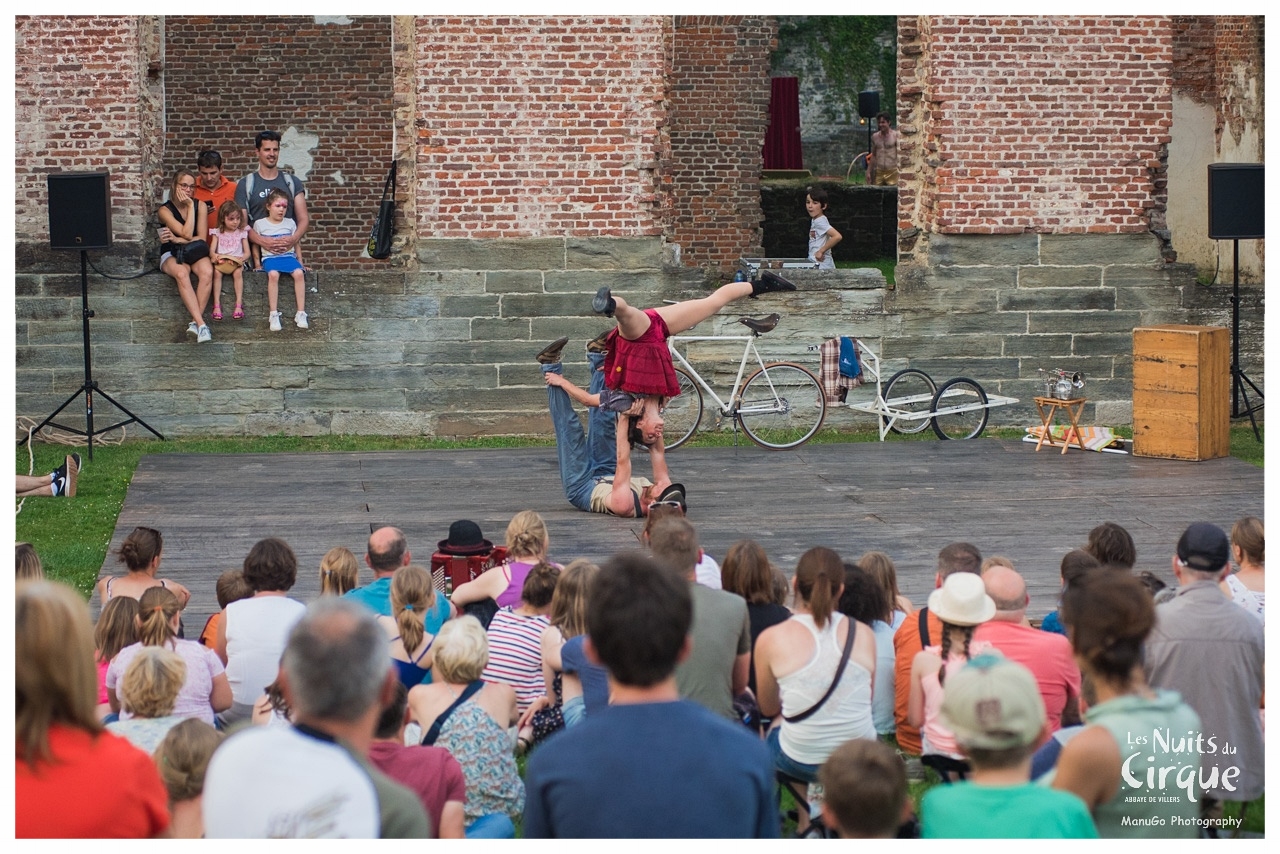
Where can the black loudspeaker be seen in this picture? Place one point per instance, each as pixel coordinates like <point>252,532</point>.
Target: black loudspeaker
<point>868,104</point>
<point>1236,201</point>
<point>79,210</point>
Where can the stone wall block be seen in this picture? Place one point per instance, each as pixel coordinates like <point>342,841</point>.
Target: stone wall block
<point>1095,343</point>
<point>463,401</point>
<point>549,305</point>
<point>318,353</point>
<point>485,305</point>
<point>1093,321</point>
<point>1072,249</point>
<point>223,402</point>
<point>626,283</point>
<point>446,282</point>
<point>501,329</point>
<point>1058,299</point>
<point>985,250</point>
<point>403,329</point>
<point>367,378</point>
<point>492,254</point>
<point>290,422</point>
<point>513,282</point>
<point>376,423</point>
<point>62,334</point>
<point>462,426</point>
<point>1037,346</point>
<point>329,400</point>
<point>613,253</point>
<point>1081,276</point>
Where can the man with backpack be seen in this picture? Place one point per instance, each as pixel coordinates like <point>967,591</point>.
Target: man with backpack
<point>252,191</point>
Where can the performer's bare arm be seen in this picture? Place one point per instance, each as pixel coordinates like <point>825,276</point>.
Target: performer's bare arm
<point>621,498</point>
<point>574,391</point>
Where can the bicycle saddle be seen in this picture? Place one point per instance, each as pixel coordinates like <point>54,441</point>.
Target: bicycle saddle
<point>760,325</point>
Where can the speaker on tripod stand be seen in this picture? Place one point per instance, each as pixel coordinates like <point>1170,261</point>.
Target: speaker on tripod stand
<point>1237,211</point>
<point>80,219</point>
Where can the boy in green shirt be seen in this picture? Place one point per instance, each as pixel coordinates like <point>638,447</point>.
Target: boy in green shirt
<point>994,708</point>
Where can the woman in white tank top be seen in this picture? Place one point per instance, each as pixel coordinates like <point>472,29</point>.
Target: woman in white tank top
<point>796,664</point>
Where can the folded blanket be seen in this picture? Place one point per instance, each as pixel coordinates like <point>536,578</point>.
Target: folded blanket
<point>1094,438</point>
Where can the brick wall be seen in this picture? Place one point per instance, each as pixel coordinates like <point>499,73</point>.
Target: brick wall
<point>80,106</point>
<point>533,127</point>
<point>323,83</point>
<point>719,113</point>
<point>1054,125</point>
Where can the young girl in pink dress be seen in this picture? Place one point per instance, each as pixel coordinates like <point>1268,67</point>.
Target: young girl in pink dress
<point>230,247</point>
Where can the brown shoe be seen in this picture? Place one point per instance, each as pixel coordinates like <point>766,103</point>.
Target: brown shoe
<point>551,353</point>
<point>597,345</point>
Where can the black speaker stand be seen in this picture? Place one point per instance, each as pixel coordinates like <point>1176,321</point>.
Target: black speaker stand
<point>90,385</point>
<point>1240,405</point>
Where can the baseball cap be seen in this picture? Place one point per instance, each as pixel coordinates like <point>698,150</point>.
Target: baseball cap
<point>993,704</point>
<point>1204,547</point>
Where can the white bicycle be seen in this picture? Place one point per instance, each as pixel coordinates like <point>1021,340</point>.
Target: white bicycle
<point>780,405</point>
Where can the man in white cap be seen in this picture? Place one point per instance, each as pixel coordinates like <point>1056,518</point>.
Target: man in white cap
<point>993,706</point>
<point>1210,651</point>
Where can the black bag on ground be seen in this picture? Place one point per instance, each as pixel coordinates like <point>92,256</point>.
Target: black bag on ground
<point>380,238</point>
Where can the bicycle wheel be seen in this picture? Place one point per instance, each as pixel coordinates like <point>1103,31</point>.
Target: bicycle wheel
<point>683,412</point>
<point>782,406</point>
<point>911,391</point>
<point>960,409</point>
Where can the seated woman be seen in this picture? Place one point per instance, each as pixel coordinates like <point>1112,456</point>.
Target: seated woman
<point>1247,587</point>
<point>183,757</point>
<point>204,691</point>
<point>469,717</point>
<point>748,573</point>
<point>864,600</point>
<point>563,703</point>
<point>339,571</point>
<point>417,613</point>
<point>515,638</point>
<point>72,779</point>
<point>253,631</point>
<point>148,691</point>
<point>1109,615</point>
<point>815,670</point>
<point>527,544</point>
<point>183,222</point>
<point>140,552</point>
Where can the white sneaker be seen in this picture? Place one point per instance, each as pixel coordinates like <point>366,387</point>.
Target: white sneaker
<point>275,321</point>
<point>203,335</point>
<point>192,328</point>
<point>301,319</point>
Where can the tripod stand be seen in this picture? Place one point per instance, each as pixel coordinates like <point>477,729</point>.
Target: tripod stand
<point>1239,379</point>
<point>90,385</point>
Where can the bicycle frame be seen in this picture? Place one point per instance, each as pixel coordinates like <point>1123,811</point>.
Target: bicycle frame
<point>727,409</point>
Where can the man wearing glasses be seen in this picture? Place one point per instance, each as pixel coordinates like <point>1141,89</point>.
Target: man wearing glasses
<point>595,466</point>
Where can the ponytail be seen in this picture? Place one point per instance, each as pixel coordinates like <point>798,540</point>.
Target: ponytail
<point>156,609</point>
<point>819,577</point>
<point>412,596</point>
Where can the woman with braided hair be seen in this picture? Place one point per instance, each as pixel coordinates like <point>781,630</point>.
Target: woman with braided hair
<point>205,690</point>
<point>961,603</point>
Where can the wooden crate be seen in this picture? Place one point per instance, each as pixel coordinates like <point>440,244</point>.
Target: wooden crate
<point>1181,391</point>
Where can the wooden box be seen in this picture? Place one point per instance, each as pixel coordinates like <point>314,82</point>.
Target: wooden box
<point>1181,392</point>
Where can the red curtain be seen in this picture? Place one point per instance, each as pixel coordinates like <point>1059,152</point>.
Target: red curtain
<point>782,141</point>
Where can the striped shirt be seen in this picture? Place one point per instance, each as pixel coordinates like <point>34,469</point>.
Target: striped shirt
<point>515,655</point>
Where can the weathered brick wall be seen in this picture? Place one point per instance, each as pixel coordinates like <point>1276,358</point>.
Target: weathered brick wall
<point>530,127</point>
<point>324,83</point>
<point>82,104</point>
<point>1039,124</point>
<point>719,113</point>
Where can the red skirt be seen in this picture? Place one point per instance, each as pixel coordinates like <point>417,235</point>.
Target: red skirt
<point>642,366</point>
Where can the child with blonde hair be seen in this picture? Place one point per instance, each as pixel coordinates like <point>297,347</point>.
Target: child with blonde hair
<point>182,758</point>
<point>149,690</point>
<point>117,628</point>
<point>339,571</point>
<point>230,248</point>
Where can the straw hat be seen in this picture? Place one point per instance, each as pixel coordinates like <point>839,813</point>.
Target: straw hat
<point>962,600</point>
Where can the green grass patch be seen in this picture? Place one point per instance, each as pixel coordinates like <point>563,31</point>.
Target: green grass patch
<point>884,265</point>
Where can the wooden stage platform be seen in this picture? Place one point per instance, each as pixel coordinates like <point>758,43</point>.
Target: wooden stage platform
<point>908,499</point>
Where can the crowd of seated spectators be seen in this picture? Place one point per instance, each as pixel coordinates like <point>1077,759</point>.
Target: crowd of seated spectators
<point>648,702</point>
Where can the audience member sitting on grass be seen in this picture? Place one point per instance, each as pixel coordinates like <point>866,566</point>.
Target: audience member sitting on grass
<point>961,604</point>
<point>1248,548</point>
<point>183,757</point>
<point>651,764</point>
<point>314,779</point>
<point>746,572</point>
<point>501,586</point>
<point>117,627</point>
<point>515,638</point>
<point>61,482</point>
<point>993,706</point>
<point>1109,616</point>
<point>815,670</point>
<point>920,629</point>
<point>585,684</point>
<point>880,567</point>
<point>72,779</point>
<point>1111,545</point>
<point>430,772</point>
<point>26,563</point>
<point>339,572</point>
<point>205,689</point>
<point>864,600</point>
<point>417,615</point>
<point>1075,564</point>
<point>864,785</point>
<point>567,618</point>
<point>148,690</point>
<point>386,552</point>
<point>230,587</point>
<point>469,717</point>
<point>140,552</point>
<point>252,632</point>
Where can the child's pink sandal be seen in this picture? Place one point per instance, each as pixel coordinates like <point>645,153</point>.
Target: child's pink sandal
<point>238,314</point>
<point>217,312</point>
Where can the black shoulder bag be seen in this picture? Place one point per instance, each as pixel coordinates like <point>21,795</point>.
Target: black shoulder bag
<point>380,238</point>
<point>844,659</point>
